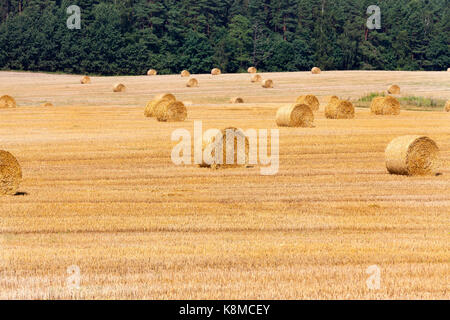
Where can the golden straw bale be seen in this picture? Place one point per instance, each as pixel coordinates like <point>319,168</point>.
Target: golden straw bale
<point>256,78</point>
<point>150,107</point>
<point>447,106</point>
<point>236,100</point>
<point>119,87</point>
<point>333,99</point>
<point>316,70</point>
<point>394,89</point>
<point>412,155</point>
<point>252,70</point>
<point>238,147</point>
<point>10,173</point>
<point>185,73</point>
<point>310,100</point>
<point>170,111</point>
<point>47,104</point>
<point>216,72</point>
<point>174,111</point>
<point>7,102</point>
<point>385,106</point>
<point>296,115</point>
<point>192,83</point>
<point>85,80</point>
<point>267,83</point>
<point>152,72</point>
<point>339,109</point>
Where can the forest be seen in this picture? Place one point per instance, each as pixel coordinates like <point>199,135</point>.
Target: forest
<point>127,37</point>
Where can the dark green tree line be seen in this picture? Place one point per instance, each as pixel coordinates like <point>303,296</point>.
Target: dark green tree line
<point>131,36</point>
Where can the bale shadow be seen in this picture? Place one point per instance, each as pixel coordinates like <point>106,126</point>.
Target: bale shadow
<point>21,193</point>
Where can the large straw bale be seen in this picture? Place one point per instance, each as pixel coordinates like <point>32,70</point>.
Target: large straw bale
<point>7,102</point>
<point>412,155</point>
<point>170,111</point>
<point>296,115</point>
<point>238,147</point>
<point>150,107</point>
<point>339,109</point>
<point>310,100</point>
<point>10,173</point>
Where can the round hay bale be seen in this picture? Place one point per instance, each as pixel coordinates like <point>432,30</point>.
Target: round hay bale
<point>310,100</point>
<point>333,99</point>
<point>10,173</point>
<point>216,72</point>
<point>448,69</point>
<point>296,115</point>
<point>316,70</point>
<point>267,83</point>
<point>339,109</point>
<point>256,78</point>
<point>170,111</point>
<point>374,105</point>
<point>185,73</point>
<point>119,87</point>
<point>192,83</point>
<point>385,106</point>
<point>85,80</point>
<point>236,100</point>
<point>447,106</point>
<point>394,89</point>
<point>167,96</point>
<point>7,102</point>
<point>412,155</point>
<point>47,104</point>
<point>150,107</point>
<point>240,159</point>
<point>252,70</point>
<point>152,72</point>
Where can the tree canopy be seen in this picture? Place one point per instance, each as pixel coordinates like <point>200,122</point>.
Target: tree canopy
<point>131,36</point>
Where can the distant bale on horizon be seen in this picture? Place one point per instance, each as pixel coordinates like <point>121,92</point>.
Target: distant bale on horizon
<point>385,106</point>
<point>236,100</point>
<point>47,104</point>
<point>333,99</point>
<point>119,87</point>
<point>394,89</point>
<point>152,72</point>
<point>216,72</point>
<point>256,78</point>
<point>447,106</point>
<point>10,173</point>
<point>7,102</point>
<point>412,155</point>
<point>316,70</point>
<point>192,83</point>
<point>85,80</point>
<point>185,73</point>
<point>310,100</point>
<point>268,83</point>
<point>252,70</point>
<point>296,115</point>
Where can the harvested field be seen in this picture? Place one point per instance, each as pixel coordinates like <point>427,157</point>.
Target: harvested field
<point>100,191</point>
